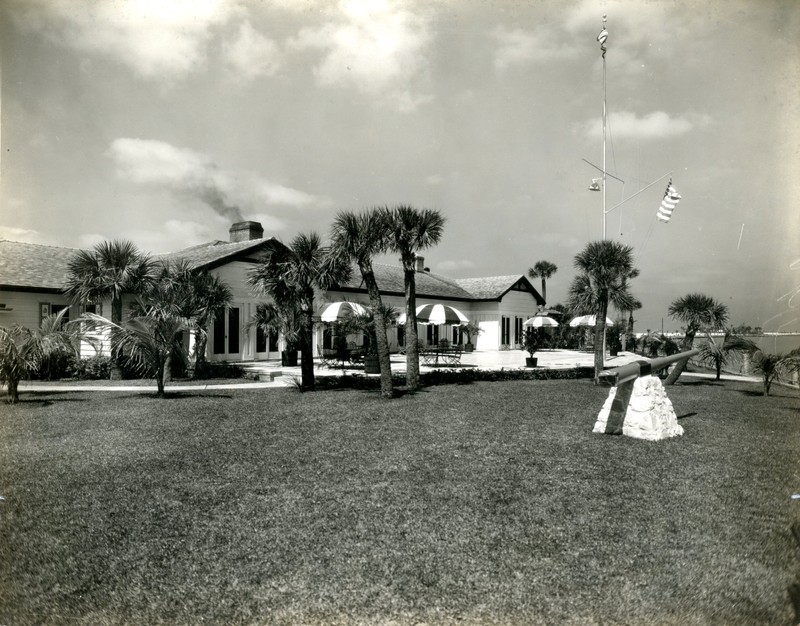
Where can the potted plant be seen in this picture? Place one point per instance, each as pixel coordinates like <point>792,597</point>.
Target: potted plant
<point>472,329</point>
<point>366,324</point>
<point>530,344</point>
<point>614,343</point>
<point>371,362</point>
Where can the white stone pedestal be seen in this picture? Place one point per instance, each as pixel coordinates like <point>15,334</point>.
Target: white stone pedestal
<point>649,414</point>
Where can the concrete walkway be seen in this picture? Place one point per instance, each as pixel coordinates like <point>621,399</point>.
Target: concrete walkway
<point>281,377</point>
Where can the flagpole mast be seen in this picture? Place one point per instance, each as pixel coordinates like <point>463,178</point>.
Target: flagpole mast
<point>602,39</point>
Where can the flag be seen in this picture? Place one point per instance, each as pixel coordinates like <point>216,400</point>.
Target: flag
<point>603,37</point>
<point>668,204</point>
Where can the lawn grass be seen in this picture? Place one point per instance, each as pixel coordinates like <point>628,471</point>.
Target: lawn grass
<point>489,503</point>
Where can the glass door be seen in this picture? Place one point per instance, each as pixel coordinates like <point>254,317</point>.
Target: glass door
<point>227,333</point>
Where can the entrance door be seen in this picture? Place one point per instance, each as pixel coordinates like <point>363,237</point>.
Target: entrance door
<point>227,333</point>
<point>266,344</point>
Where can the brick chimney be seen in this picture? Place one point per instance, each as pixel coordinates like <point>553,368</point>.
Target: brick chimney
<point>246,231</point>
<point>420,263</point>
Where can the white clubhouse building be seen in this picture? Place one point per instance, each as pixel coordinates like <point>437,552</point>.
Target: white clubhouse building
<point>32,279</point>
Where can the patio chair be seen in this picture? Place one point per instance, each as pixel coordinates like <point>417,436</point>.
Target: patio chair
<point>327,357</point>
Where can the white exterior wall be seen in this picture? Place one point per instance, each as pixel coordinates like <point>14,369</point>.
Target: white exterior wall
<point>25,307</point>
<point>28,308</point>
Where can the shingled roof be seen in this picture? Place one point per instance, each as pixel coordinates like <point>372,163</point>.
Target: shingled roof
<point>215,253</point>
<point>390,280</point>
<point>495,287</point>
<point>429,285</point>
<point>34,267</point>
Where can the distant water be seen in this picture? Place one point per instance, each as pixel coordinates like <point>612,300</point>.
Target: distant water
<point>773,344</point>
<point>776,344</point>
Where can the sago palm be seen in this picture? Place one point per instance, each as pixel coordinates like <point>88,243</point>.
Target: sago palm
<point>605,269</point>
<point>22,350</point>
<point>718,354</point>
<point>359,238</point>
<point>411,230</point>
<point>148,342</point>
<point>697,312</point>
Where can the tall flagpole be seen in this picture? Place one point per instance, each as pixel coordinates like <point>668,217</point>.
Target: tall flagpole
<point>602,37</point>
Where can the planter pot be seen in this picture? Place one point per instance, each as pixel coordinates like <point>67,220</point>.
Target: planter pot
<point>372,365</point>
<point>289,359</point>
<point>468,347</point>
<point>531,361</point>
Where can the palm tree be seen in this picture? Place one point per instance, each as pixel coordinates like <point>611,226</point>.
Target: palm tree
<point>23,350</point>
<point>635,306</point>
<point>543,270</point>
<point>108,271</point>
<point>359,238</point>
<point>289,276</point>
<point>210,296</point>
<point>411,230</point>
<point>191,293</point>
<point>605,267</point>
<point>698,312</point>
<point>147,341</point>
<point>718,354</point>
<point>284,320</point>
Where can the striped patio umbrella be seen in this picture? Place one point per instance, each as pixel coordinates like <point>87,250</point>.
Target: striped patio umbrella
<point>540,321</point>
<point>587,320</point>
<point>437,314</point>
<point>338,311</point>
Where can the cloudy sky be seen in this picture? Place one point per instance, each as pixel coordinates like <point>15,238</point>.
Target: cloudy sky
<point>163,122</point>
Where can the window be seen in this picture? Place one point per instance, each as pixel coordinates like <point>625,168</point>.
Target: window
<point>261,340</point>
<point>519,333</point>
<point>505,331</point>
<point>46,308</point>
<point>218,345</point>
<point>97,309</point>
<point>433,335</point>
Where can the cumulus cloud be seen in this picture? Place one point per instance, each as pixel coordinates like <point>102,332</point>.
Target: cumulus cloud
<point>251,54</point>
<point>655,125</point>
<point>192,174</point>
<point>519,47</point>
<point>27,235</point>
<point>152,37</point>
<point>372,45</point>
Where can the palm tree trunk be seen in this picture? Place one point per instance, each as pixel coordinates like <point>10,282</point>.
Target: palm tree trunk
<point>599,334</point>
<point>13,390</point>
<point>306,351</point>
<point>200,343</point>
<point>678,368</point>
<point>412,343</point>
<point>381,339</point>
<point>160,372</point>
<point>116,318</point>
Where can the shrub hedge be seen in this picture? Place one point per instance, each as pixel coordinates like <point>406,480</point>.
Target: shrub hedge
<point>461,376</point>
